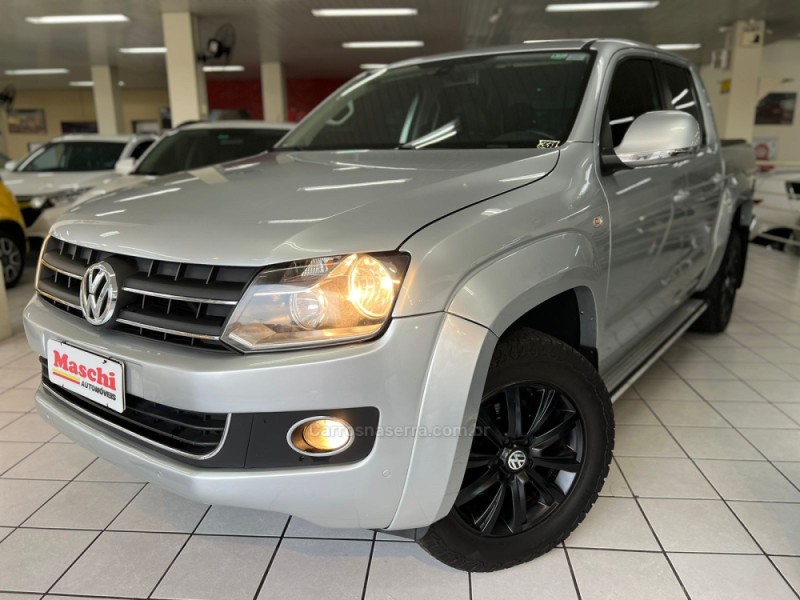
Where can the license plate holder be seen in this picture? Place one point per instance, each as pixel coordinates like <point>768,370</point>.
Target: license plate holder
<point>96,378</point>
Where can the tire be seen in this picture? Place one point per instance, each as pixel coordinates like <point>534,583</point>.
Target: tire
<point>12,259</point>
<point>563,410</point>
<point>721,292</point>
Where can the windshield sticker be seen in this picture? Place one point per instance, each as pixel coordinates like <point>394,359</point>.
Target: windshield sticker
<point>548,144</point>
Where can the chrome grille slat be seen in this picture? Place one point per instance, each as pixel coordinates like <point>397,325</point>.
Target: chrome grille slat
<point>182,303</point>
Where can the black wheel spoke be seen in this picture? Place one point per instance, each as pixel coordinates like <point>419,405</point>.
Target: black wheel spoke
<point>519,504</point>
<point>560,463</point>
<point>514,412</point>
<point>544,411</point>
<point>549,492</point>
<point>480,460</point>
<point>488,518</point>
<point>548,438</point>
<point>477,487</point>
<point>489,427</point>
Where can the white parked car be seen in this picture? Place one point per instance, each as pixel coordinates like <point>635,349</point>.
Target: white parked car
<point>777,208</point>
<point>182,149</point>
<point>60,170</point>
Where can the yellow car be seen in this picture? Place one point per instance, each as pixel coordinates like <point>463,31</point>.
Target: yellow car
<point>12,238</point>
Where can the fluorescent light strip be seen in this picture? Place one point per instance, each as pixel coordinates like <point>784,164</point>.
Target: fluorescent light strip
<point>89,83</point>
<point>144,50</point>
<point>695,46</point>
<point>223,68</point>
<point>597,6</point>
<point>76,19</point>
<point>37,71</point>
<point>373,66</point>
<point>364,12</point>
<point>397,44</point>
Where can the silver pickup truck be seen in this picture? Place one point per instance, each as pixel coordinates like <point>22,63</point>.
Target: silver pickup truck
<point>414,314</point>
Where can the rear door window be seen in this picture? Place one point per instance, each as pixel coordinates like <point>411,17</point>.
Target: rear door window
<point>682,93</point>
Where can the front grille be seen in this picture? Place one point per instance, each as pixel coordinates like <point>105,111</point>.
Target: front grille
<point>193,433</point>
<point>175,302</point>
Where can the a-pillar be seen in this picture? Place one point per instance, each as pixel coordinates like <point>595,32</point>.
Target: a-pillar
<point>273,92</point>
<point>745,48</point>
<point>188,99</point>
<point>107,99</point>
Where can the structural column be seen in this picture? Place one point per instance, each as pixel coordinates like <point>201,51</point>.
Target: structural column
<point>273,92</point>
<point>107,99</point>
<point>745,63</point>
<point>186,81</point>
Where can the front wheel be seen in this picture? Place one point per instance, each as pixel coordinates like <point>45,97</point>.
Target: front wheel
<point>12,260</point>
<point>539,456</point>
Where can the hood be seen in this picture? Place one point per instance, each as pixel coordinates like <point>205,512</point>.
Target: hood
<point>38,184</point>
<point>107,183</point>
<point>291,206</point>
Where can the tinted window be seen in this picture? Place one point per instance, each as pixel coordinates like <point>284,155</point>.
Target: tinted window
<point>634,91</point>
<point>74,156</point>
<point>186,149</point>
<point>140,148</point>
<point>506,101</point>
<point>681,91</point>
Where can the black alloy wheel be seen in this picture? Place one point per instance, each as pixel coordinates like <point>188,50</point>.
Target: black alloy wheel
<point>526,453</point>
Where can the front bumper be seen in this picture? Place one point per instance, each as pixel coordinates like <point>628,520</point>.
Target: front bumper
<point>425,376</point>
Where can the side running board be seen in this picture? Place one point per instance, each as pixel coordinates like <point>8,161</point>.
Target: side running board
<point>622,375</point>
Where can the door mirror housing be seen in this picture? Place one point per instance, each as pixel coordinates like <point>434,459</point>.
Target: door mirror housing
<point>659,137</point>
<point>10,165</point>
<point>124,166</point>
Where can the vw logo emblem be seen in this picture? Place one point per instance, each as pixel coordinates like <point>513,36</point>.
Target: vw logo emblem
<point>516,460</point>
<point>99,292</point>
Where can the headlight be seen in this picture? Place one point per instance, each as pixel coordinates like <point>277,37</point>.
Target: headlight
<point>327,300</point>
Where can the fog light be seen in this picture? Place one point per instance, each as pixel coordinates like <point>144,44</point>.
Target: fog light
<point>321,436</point>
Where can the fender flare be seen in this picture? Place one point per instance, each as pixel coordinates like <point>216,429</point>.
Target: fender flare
<point>503,291</point>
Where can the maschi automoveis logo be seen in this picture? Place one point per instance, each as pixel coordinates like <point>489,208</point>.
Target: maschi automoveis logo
<point>95,379</point>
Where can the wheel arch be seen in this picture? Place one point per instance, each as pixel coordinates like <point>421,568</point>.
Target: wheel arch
<point>14,231</point>
<point>551,285</point>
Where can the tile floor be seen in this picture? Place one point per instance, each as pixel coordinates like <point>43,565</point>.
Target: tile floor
<point>703,501</point>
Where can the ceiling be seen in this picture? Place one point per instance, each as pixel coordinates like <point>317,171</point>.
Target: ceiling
<point>285,30</point>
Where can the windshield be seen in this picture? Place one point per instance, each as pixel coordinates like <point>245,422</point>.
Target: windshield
<point>187,149</point>
<point>74,156</point>
<point>523,100</point>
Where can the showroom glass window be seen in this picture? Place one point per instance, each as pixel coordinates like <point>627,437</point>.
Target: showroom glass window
<point>186,149</point>
<point>634,91</point>
<point>682,93</point>
<point>75,156</point>
<point>520,100</point>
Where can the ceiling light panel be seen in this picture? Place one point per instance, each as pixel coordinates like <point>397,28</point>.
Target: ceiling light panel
<point>144,50</point>
<point>76,19</point>
<point>373,66</point>
<point>37,71</point>
<point>364,12</point>
<point>384,44</point>
<point>692,46</point>
<point>223,68</point>
<point>599,6</point>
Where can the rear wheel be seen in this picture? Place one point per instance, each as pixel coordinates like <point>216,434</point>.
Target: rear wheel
<point>539,456</point>
<point>721,292</point>
<point>12,259</point>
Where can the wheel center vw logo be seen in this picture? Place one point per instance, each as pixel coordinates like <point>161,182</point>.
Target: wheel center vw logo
<point>99,293</point>
<point>516,460</point>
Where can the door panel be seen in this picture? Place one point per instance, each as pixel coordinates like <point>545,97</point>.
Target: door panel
<point>646,249</point>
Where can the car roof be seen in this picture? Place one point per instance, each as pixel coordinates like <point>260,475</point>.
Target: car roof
<point>237,124</point>
<point>609,45</point>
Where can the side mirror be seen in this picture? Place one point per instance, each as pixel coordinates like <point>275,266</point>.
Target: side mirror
<point>124,166</point>
<point>659,137</point>
<point>10,165</point>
